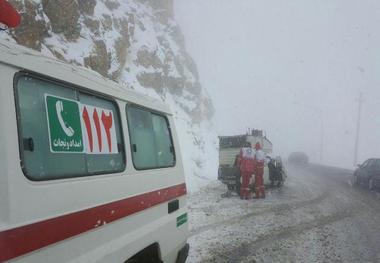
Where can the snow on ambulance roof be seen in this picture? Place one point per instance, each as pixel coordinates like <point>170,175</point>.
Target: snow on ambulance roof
<point>33,61</point>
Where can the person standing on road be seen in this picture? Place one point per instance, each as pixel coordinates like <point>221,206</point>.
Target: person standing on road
<point>259,171</point>
<point>246,165</point>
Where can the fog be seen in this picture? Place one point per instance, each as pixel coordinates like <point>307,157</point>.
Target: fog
<point>293,68</point>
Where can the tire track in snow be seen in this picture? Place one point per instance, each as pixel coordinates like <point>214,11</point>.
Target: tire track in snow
<point>277,209</point>
<point>244,251</point>
<point>341,202</point>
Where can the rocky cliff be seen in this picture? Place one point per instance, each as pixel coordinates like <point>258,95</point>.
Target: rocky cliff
<point>136,43</point>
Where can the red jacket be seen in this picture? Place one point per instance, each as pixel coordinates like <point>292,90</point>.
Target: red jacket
<point>246,157</point>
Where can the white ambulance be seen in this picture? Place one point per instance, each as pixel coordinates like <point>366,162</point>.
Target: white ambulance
<point>89,172</point>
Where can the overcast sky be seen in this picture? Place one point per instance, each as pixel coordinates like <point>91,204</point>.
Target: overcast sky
<point>293,68</point>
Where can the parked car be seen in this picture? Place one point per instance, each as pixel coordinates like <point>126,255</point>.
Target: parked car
<point>298,158</point>
<point>368,174</point>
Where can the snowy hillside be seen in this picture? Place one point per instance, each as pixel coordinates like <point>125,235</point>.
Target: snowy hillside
<point>138,44</point>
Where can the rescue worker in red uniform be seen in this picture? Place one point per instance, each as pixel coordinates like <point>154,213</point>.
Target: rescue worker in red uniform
<point>247,167</point>
<point>259,171</point>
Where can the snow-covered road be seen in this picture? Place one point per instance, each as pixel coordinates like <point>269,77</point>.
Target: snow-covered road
<point>316,217</point>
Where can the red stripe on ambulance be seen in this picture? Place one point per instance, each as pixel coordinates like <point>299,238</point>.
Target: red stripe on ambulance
<point>21,240</point>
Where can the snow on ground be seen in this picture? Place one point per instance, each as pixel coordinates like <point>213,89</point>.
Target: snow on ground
<point>310,219</point>
<point>215,221</point>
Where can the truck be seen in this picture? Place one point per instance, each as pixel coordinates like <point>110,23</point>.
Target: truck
<point>229,149</point>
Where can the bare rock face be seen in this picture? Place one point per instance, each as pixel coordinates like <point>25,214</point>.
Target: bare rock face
<point>153,80</point>
<point>33,28</point>
<point>92,24</point>
<point>99,60</point>
<point>87,7</point>
<point>63,16</point>
<point>147,58</point>
<point>107,22</point>
<point>164,9</point>
<point>121,47</point>
<point>170,69</point>
<point>112,4</point>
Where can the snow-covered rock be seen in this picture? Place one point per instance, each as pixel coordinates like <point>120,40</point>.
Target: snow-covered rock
<point>138,44</point>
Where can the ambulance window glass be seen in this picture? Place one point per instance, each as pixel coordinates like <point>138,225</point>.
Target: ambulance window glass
<point>39,163</point>
<point>164,146</point>
<point>150,139</point>
<point>51,129</point>
<point>111,157</point>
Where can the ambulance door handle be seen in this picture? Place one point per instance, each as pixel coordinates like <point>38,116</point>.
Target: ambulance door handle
<point>134,148</point>
<point>28,144</point>
<point>173,206</point>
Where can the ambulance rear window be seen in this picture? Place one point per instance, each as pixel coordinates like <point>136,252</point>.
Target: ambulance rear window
<point>66,133</point>
<point>151,141</point>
